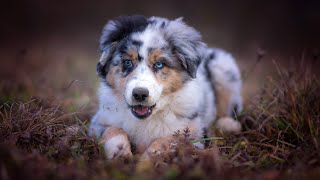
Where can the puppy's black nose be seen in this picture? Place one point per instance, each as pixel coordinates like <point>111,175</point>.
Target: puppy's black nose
<point>140,94</point>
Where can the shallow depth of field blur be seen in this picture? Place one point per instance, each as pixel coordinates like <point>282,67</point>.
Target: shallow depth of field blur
<point>48,83</point>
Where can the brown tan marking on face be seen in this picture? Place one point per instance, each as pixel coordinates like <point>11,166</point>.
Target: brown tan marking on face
<point>171,77</point>
<point>117,81</point>
<point>131,54</point>
<point>112,79</point>
<point>154,55</point>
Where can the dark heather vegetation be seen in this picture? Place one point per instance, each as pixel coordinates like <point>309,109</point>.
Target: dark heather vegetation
<point>43,138</point>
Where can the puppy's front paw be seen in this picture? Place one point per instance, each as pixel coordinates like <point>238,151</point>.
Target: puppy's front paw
<point>158,147</point>
<point>228,124</point>
<point>116,143</point>
<point>118,147</point>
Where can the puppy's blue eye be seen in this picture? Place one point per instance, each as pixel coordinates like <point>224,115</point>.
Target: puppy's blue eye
<point>128,63</point>
<point>158,65</point>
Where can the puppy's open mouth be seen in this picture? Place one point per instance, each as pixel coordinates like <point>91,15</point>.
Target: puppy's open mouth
<point>142,112</point>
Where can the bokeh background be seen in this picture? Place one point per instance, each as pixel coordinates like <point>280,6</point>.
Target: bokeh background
<point>50,48</point>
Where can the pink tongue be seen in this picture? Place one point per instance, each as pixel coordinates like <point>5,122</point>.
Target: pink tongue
<point>141,110</point>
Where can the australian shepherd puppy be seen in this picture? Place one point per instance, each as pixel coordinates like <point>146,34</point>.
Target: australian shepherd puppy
<point>158,78</point>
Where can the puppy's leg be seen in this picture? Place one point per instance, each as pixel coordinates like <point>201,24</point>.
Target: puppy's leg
<point>97,125</point>
<point>226,80</point>
<point>116,143</point>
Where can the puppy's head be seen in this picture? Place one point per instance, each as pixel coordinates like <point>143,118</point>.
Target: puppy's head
<point>144,59</point>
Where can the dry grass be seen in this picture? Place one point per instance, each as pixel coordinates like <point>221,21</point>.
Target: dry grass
<point>282,126</point>
<point>42,139</point>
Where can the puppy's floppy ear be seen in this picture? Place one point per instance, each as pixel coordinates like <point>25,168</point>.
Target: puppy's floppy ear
<point>187,45</point>
<point>113,33</point>
<point>103,64</point>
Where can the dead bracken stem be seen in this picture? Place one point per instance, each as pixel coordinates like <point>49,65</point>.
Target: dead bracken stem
<point>260,55</point>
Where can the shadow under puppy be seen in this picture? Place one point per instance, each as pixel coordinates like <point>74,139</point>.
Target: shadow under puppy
<point>157,78</point>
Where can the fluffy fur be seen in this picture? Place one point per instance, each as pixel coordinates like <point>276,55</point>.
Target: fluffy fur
<point>157,78</point>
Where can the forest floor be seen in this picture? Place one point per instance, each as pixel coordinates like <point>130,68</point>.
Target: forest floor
<point>44,116</point>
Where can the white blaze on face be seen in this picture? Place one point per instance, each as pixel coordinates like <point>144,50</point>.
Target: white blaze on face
<point>143,75</point>
<point>143,78</point>
<point>151,38</point>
